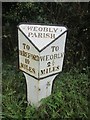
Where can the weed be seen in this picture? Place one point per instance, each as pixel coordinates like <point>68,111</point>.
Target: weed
<point>68,98</point>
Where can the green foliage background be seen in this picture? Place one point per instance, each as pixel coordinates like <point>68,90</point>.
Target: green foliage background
<point>70,91</point>
<point>69,98</point>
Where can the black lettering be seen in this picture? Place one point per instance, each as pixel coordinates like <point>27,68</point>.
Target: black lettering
<point>45,29</point>
<point>30,34</point>
<point>40,29</point>
<point>24,45</point>
<point>30,28</point>
<point>39,35</point>
<point>35,35</point>
<point>46,70</point>
<point>32,70</point>
<point>52,36</point>
<point>27,61</point>
<point>35,57</point>
<point>42,58</point>
<point>47,35</point>
<point>62,54</point>
<point>47,57</point>
<point>28,56</point>
<point>24,54</point>
<point>55,56</point>
<point>35,29</point>
<point>57,67</point>
<point>51,57</point>
<point>48,64</point>
<point>20,52</point>
<point>53,48</point>
<point>24,66</point>
<point>50,30</point>
<point>42,72</point>
<point>55,30</point>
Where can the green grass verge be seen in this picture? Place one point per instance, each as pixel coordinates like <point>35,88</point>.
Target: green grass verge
<point>68,98</point>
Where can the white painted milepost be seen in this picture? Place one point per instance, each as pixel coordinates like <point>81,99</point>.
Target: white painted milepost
<point>41,54</point>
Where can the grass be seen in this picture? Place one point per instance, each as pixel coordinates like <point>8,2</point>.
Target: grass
<point>68,98</point>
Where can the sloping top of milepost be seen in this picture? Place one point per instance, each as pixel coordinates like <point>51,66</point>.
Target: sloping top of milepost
<point>41,35</point>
